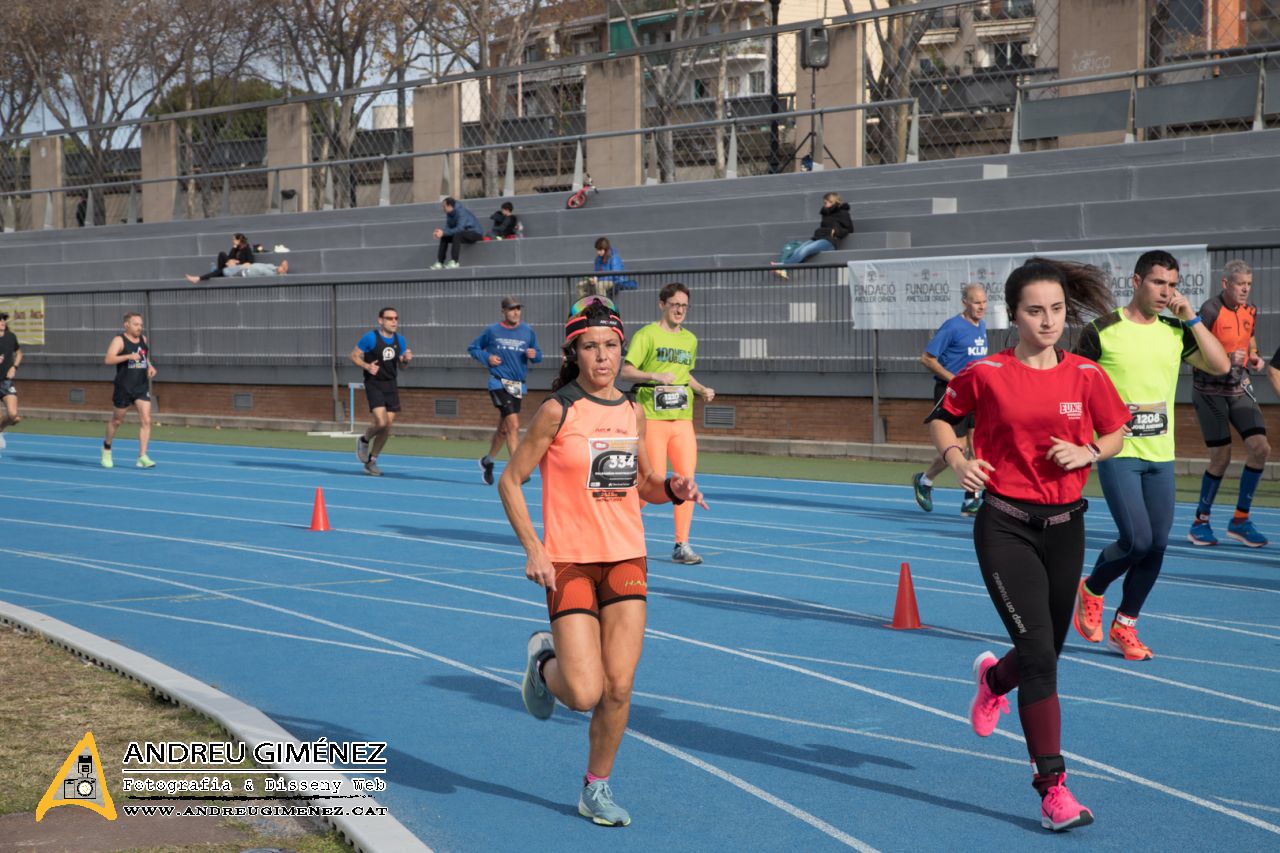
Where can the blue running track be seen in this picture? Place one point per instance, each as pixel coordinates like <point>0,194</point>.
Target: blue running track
<point>774,711</point>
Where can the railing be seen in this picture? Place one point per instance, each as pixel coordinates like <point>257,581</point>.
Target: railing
<point>273,200</point>
<point>755,333</point>
<point>1218,97</point>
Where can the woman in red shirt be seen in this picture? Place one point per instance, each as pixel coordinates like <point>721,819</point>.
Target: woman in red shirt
<point>588,441</point>
<point>1038,409</point>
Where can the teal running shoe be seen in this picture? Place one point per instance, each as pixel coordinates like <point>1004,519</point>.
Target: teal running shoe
<point>924,494</point>
<point>1244,531</point>
<point>597,803</point>
<point>1201,533</point>
<point>971,506</point>
<point>538,700</point>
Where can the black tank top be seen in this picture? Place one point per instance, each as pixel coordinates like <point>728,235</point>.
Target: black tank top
<point>132,375</point>
<point>386,356</point>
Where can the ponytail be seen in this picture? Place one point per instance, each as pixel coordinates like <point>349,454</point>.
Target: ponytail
<point>1087,290</point>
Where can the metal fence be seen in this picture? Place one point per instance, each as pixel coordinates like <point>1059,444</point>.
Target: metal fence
<point>747,322</point>
<point>963,64</point>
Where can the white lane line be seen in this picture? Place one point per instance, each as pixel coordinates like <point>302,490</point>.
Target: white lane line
<point>1249,805</point>
<point>261,584</point>
<point>230,626</point>
<point>891,697</point>
<point>1148,709</point>
<point>1193,620</point>
<point>813,724</point>
<point>736,781</point>
<point>809,607</point>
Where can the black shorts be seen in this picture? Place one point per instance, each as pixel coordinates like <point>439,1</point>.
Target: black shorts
<point>7,389</point>
<point>123,398</point>
<point>382,395</point>
<point>962,428</point>
<point>1218,414</point>
<point>504,401</point>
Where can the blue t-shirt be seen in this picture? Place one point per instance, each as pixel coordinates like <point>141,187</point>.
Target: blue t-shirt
<point>958,342</point>
<point>510,345</point>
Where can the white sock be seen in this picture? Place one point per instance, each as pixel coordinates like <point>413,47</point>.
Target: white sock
<point>925,481</point>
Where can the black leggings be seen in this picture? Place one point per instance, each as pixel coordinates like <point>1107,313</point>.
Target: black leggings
<point>1031,576</point>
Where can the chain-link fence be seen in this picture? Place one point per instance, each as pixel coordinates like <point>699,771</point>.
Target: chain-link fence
<point>963,64</point>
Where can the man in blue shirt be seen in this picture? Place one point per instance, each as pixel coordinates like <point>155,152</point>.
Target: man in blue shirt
<point>379,354</point>
<point>506,348</point>
<point>960,340</point>
<point>460,226</point>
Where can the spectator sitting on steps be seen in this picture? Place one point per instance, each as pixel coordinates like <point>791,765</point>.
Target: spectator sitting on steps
<point>460,226</point>
<point>607,260</point>
<point>505,223</point>
<point>835,226</point>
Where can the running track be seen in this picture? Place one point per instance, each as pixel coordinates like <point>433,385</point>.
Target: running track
<point>773,710</point>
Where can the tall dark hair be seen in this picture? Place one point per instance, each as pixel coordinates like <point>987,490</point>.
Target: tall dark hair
<point>603,243</point>
<point>1086,287</point>
<point>384,311</point>
<point>449,201</point>
<point>569,366</point>
<point>671,290</point>
<point>1154,258</point>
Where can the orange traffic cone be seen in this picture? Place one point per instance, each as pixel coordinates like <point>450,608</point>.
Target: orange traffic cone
<point>320,518</point>
<point>905,614</point>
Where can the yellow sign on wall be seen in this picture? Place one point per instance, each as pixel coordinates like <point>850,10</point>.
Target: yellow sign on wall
<point>26,318</point>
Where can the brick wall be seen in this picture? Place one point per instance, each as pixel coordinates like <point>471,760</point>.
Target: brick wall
<point>802,418</point>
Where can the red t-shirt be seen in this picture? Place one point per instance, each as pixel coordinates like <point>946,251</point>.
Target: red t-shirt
<point>1018,408</point>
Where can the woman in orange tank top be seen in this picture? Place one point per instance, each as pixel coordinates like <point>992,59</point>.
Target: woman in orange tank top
<point>588,442</point>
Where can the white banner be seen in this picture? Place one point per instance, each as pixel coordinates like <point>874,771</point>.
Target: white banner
<point>922,293</point>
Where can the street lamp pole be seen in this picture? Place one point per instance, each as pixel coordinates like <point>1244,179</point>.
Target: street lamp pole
<point>775,147</point>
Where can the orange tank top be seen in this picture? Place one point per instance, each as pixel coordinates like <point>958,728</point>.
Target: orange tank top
<point>590,505</point>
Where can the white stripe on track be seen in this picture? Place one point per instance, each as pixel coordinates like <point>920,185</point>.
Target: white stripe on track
<point>724,775</point>
<point>1148,709</point>
<point>891,697</point>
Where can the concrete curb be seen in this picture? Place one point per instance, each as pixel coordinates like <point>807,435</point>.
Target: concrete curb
<point>366,833</point>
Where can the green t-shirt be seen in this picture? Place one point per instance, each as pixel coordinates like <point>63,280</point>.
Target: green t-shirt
<point>1143,362</point>
<point>655,350</point>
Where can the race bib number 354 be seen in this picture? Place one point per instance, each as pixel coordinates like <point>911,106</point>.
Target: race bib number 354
<point>613,463</point>
<point>1148,419</point>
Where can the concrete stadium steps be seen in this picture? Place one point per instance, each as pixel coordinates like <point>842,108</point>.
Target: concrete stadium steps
<point>1206,189</point>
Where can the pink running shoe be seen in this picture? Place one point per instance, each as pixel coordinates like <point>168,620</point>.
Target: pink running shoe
<point>1059,810</point>
<point>984,711</point>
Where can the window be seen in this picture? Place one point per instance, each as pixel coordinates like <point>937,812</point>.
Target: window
<point>703,89</point>
<point>584,46</point>
<point>534,52</point>
<point>733,87</point>
<point>1011,54</point>
<point>758,84</point>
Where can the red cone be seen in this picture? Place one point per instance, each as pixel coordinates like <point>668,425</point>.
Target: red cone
<point>905,614</point>
<point>320,518</point>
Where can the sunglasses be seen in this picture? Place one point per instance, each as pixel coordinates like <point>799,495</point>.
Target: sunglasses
<point>582,304</point>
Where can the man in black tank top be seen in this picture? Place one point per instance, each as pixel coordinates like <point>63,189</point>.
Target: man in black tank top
<point>379,354</point>
<point>130,353</point>
<point>10,358</point>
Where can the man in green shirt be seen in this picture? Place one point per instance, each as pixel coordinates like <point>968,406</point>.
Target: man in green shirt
<point>1142,351</point>
<point>661,359</point>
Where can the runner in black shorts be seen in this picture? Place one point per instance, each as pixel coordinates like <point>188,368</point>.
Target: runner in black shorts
<point>379,354</point>
<point>1223,402</point>
<point>10,358</point>
<point>1044,417</point>
<point>506,348</point>
<point>130,353</point>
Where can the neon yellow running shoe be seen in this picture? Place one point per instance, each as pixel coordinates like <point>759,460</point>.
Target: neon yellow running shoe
<point>106,459</point>
<point>144,461</point>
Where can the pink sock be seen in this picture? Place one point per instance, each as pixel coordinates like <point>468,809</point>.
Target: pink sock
<point>591,777</point>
